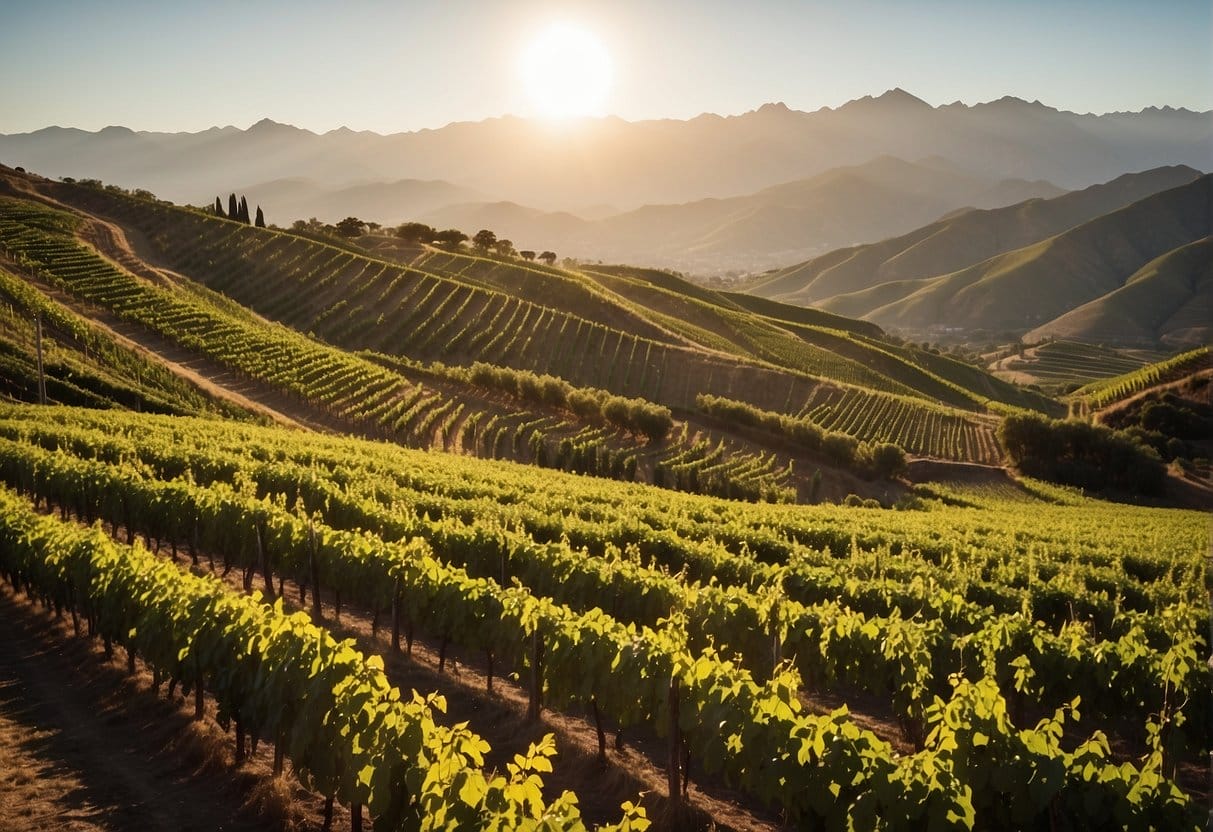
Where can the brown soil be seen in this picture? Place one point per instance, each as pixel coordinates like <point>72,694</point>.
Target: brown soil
<point>85,747</point>
<point>635,772</point>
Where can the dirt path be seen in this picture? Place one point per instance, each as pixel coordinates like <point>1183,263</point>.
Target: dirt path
<point>83,748</point>
<point>210,376</point>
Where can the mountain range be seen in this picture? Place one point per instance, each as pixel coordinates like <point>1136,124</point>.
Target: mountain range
<point>1125,262</point>
<point>588,163</point>
<point>772,227</point>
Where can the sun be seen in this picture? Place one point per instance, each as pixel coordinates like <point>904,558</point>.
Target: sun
<point>566,71</point>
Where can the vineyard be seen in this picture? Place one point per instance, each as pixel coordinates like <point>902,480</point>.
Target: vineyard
<point>375,398</point>
<point>1059,363</point>
<point>364,304</point>
<point>595,330</point>
<point>1020,676</point>
<point>1100,394</point>
<point>917,427</point>
<point>83,365</point>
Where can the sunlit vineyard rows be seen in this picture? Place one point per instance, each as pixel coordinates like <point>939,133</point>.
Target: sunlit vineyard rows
<point>1103,393</point>
<point>917,427</point>
<point>976,633</point>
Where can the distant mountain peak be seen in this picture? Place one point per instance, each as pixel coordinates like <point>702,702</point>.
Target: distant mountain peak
<point>896,97</point>
<point>268,125</point>
<point>1011,101</point>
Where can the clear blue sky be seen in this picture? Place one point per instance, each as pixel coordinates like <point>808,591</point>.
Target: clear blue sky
<point>406,65</point>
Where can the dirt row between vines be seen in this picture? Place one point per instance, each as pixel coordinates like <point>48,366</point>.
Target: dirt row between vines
<point>84,746</point>
<point>634,771</point>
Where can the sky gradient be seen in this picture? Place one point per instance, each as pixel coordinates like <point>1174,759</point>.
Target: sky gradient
<point>408,65</point>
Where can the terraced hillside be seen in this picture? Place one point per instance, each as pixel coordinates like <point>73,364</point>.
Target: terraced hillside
<point>1068,363</point>
<point>85,365</point>
<point>630,332</point>
<point>1108,391</point>
<point>539,420</point>
<point>457,307</point>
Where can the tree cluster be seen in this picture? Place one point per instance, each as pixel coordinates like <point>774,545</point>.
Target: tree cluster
<point>237,209</point>
<point>1075,453</point>
<point>1170,424</point>
<point>869,459</point>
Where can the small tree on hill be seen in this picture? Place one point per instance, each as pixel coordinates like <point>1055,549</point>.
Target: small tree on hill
<point>451,238</point>
<point>484,240</point>
<point>504,247</point>
<point>416,232</point>
<point>548,257</point>
<point>243,215</point>
<point>219,208</point>
<point>260,218</point>
<point>350,227</point>
<point>233,208</point>
<point>527,255</point>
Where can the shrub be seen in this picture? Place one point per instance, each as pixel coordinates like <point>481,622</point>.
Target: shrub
<point>1075,453</point>
<point>888,460</point>
<point>839,448</point>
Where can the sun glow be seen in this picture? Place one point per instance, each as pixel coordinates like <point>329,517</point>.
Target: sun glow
<point>566,71</point>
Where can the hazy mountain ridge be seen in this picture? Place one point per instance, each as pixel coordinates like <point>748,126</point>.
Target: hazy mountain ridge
<point>776,225</point>
<point>1026,288</point>
<point>629,164</point>
<point>957,241</point>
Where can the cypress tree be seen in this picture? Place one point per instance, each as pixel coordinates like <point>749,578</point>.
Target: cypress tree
<point>244,218</point>
<point>233,209</point>
<point>260,218</point>
<point>219,208</point>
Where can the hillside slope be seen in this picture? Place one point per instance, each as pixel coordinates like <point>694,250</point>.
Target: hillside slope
<point>472,411</point>
<point>1167,301</point>
<point>958,241</point>
<point>1022,289</point>
<point>458,307</point>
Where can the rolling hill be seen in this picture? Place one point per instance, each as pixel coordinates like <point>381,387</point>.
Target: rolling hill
<point>955,242</point>
<point>1021,289</point>
<point>772,227</point>
<point>1167,301</point>
<point>438,353</point>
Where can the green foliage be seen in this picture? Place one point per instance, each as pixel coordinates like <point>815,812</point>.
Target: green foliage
<point>450,237</point>
<point>484,239</point>
<point>348,733</point>
<point>416,232</point>
<point>882,459</point>
<point>1076,453</point>
<point>864,616</point>
<point>1100,394</point>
